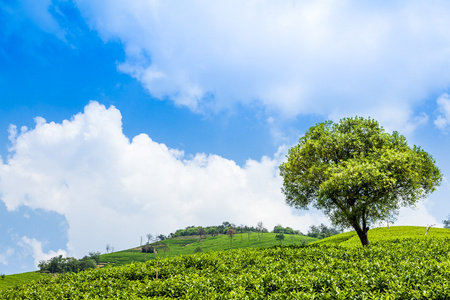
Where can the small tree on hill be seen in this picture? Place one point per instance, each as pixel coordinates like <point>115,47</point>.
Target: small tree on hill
<point>231,233</point>
<point>242,230</point>
<point>280,237</point>
<point>356,173</point>
<point>149,237</point>
<point>447,222</point>
<point>201,232</point>
<point>260,231</point>
<point>147,248</point>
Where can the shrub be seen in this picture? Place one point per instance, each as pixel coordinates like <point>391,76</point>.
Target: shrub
<point>148,249</point>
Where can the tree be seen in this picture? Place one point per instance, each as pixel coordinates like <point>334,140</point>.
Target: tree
<point>201,232</point>
<point>213,231</point>
<point>260,230</point>
<point>242,230</point>
<point>447,222</point>
<point>95,256</point>
<point>280,237</point>
<point>147,248</point>
<point>231,233</point>
<point>356,173</point>
<point>149,237</point>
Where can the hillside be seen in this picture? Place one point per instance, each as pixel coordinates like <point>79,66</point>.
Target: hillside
<point>401,264</point>
<point>174,247</point>
<point>188,245</point>
<point>376,235</point>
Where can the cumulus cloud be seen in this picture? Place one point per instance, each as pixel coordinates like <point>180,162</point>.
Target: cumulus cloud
<point>36,248</point>
<point>419,216</point>
<point>325,57</point>
<point>443,119</point>
<point>5,256</point>
<point>112,190</point>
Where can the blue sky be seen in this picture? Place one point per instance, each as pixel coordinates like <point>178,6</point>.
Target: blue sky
<point>122,118</point>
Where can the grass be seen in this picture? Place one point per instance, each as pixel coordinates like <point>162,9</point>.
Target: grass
<point>187,245</point>
<point>411,266</point>
<point>376,235</point>
<point>18,279</point>
<point>175,247</point>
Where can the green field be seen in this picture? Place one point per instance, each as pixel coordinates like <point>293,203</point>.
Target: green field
<point>18,279</point>
<point>400,263</point>
<point>175,247</point>
<point>350,239</point>
<point>187,245</point>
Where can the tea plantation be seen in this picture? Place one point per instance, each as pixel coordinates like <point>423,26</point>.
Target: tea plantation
<point>400,263</point>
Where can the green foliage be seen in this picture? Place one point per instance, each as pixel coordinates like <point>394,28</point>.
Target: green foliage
<point>94,256</point>
<point>60,264</point>
<point>285,230</point>
<point>446,222</point>
<point>18,279</point>
<point>198,249</point>
<point>321,231</point>
<point>186,246</point>
<point>212,230</point>
<point>356,173</point>
<point>409,268</point>
<point>147,248</point>
<point>279,237</point>
<point>379,235</point>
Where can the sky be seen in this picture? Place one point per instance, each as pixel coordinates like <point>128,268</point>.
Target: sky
<point>122,118</point>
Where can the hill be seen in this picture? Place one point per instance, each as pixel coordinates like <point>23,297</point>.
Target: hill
<point>188,245</point>
<point>172,247</point>
<point>376,235</point>
<point>406,265</point>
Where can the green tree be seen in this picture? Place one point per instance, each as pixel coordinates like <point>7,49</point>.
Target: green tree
<point>260,231</point>
<point>198,249</point>
<point>201,233</point>
<point>280,237</point>
<point>446,222</point>
<point>356,173</point>
<point>231,233</point>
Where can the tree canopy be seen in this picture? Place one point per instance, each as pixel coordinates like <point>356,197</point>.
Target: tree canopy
<point>357,173</point>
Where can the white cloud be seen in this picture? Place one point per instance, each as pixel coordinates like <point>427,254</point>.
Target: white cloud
<point>443,120</point>
<point>324,57</point>
<point>113,190</point>
<point>37,252</point>
<point>4,256</point>
<point>418,216</point>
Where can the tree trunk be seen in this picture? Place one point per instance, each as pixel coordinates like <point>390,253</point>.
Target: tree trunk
<point>362,234</point>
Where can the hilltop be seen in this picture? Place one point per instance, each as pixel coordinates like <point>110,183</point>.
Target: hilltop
<point>185,245</point>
